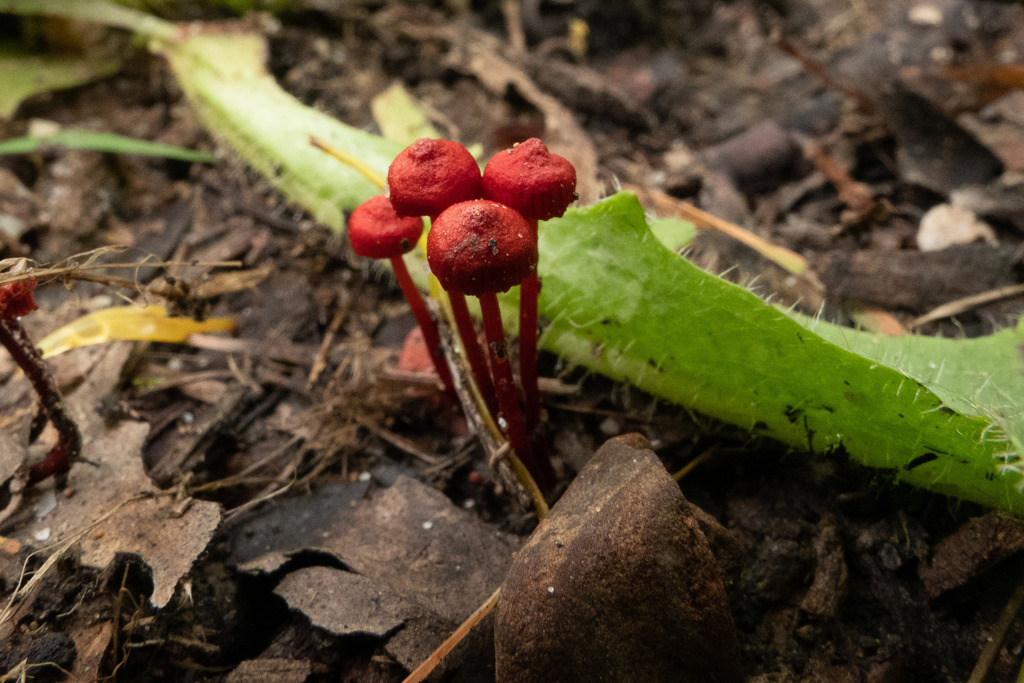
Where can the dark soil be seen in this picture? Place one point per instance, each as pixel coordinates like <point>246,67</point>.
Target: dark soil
<point>844,576</point>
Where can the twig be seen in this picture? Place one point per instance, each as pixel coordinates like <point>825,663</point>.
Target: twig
<point>998,636</point>
<point>692,465</point>
<point>435,657</point>
<point>320,360</point>
<point>663,203</point>
<point>967,303</point>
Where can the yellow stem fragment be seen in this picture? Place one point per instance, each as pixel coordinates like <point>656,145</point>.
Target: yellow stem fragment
<point>344,157</point>
<point>146,323</point>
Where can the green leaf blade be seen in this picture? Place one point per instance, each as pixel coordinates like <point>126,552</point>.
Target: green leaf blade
<point>623,305</point>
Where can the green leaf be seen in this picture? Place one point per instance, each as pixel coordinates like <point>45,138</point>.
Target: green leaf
<point>225,79</point>
<point>399,118</point>
<point>23,75</point>
<point>106,13</point>
<point>102,142</point>
<point>623,305</point>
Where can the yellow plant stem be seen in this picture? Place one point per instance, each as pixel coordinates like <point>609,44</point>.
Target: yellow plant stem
<point>349,160</point>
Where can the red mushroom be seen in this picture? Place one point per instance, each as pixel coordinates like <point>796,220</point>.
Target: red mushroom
<point>16,300</point>
<point>481,248</point>
<point>429,175</point>
<point>426,178</point>
<point>377,232</point>
<point>540,186</point>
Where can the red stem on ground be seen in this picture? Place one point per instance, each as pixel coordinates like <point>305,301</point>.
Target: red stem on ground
<point>508,400</point>
<point>475,356</point>
<point>430,334</point>
<point>69,440</point>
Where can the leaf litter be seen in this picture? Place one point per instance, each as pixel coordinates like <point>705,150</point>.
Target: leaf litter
<point>792,514</point>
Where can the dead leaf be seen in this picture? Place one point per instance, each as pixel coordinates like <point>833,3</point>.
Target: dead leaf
<point>271,670</point>
<point>420,560</point>
<point>113,494</point>
<point>342,602</point>
<point>264,540</point>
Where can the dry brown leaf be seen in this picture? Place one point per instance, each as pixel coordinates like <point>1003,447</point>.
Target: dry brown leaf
<point>342,602</point>
<point>271,670</point>
<point>113,486</point>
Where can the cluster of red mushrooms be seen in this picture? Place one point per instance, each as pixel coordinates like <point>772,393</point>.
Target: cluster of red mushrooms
<point>482,241</point>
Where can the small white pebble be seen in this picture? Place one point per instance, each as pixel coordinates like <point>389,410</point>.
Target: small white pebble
<point>428,525</point>
<point>925,15</point>
<point>42,534</point>
<point>551,590</point>
<point>46,503</point>
<point>365,476</point>
<point>610,426</point>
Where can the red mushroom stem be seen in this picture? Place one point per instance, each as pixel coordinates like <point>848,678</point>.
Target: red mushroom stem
<point>539,185</point>
<point>15,301</point>
<point>504,384</point>
<point>377,232</point>
<point>474,354</point>
<point>529,297</point>
<point>431,336</point>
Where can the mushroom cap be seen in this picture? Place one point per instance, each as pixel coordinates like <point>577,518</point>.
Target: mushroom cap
<point>16,299</point>
<point>376,231</point>
<point>480,246</point>
<point>430,175</point>
<point>533,181</point>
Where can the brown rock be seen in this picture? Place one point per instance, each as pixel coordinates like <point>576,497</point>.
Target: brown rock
<point>617,584</point>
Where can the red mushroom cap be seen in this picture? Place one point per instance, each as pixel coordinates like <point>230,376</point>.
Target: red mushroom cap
<point>533,181</point>
<point>377,231</point>
<point>430,175</point>
<point>480,246</point>
<point>16,299</point>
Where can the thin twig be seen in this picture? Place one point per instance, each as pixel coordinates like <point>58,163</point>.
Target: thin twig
<point>435,657</point>
<point>692,465</point>
<point>998,636</point>
<point>957,306</point>
<point>665,204</point>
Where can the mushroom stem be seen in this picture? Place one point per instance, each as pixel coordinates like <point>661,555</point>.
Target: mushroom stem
<point>529,294</point>
<point>69,440</point>
<point>505,386</point>
<point>430,334</point>
<point>474,354</point>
